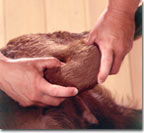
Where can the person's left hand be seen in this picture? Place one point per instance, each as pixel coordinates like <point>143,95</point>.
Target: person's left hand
<point>113,33</point>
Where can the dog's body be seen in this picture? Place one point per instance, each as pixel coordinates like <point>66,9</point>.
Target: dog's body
<point>90,109</point>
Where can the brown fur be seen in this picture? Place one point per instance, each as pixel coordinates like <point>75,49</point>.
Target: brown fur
<point>90,109</point>
<point>68,48</point>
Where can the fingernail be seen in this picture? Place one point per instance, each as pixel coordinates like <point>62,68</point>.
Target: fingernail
<point>75,91</point>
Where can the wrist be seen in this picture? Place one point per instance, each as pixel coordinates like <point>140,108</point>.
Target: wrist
<point>115,13</point>
<point>127,7</point>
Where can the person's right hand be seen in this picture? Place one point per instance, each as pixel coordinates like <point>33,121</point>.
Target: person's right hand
<point>113,33</point>
<point>22,80</point>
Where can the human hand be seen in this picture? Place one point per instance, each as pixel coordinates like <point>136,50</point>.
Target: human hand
<point>22,80</point>
<point>113,33</point>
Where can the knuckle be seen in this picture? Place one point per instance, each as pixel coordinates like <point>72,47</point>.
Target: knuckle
<point>120,50</point>
<point>123,49</point>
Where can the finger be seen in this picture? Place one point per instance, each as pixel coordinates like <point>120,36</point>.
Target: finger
<point>116,63</point>
<point>48,100</point>
<point>47,63</point>
<point>56,90</point>
<point>105,64</point>
<point>91,38</point>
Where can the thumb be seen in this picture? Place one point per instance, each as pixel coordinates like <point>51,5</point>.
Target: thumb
<point>91,38</point>
<point>47,62</point>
